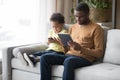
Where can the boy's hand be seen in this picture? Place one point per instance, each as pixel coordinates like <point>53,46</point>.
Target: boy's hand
<point>50,40</point>
<point>53,40</point>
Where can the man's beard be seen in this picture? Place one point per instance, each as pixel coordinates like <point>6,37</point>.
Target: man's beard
<point>84,22</point>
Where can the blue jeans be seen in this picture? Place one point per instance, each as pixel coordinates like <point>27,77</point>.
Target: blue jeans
<point>39,53</point>
<point>70,64</point>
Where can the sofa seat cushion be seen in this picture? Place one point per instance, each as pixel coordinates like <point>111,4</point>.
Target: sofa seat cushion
<point>16,64</point>
<point>102,71</point>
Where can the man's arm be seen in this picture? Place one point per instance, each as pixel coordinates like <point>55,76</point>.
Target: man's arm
<point>98,44</point>
<point>97,51</point>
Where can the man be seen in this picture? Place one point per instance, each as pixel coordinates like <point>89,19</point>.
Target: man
<point>87,46</point>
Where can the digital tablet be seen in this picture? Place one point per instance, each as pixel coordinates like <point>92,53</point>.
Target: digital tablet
<point>65,38</point>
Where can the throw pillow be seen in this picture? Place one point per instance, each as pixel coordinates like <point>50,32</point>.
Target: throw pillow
<point>112,52</point>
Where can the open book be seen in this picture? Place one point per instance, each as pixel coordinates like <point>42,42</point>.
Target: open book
<point>65,38</point>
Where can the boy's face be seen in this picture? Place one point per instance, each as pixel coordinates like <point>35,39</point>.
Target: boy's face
<point>57,27</point>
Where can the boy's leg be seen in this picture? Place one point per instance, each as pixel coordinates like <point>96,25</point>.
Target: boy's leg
<point>39,53</point>
<point>70,64</point>
<point>35,58</point>
<point>45,64</point>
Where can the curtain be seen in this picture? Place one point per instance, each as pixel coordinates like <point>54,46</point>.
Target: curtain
<point>62,6</point>
<point>47,8</point>
<point>27,21</point>
<point>22,22</point>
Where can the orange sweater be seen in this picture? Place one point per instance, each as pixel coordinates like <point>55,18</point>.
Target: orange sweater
<point>90,38</point>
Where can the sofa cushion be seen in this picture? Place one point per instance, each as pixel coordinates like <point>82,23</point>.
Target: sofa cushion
<point>24,75</point>
<point>112,53</point>
<point>93,72</point>
<point>102,71</point>
<point>16,64</point>
<point>29,49</point>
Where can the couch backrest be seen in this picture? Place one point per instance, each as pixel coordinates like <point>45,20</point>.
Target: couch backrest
<point>112,52</point>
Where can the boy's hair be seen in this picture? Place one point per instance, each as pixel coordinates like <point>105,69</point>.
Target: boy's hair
<point>57,17</point>
<point>83,7</point>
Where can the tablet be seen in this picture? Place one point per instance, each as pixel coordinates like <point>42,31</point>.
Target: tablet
<point>65,38</point>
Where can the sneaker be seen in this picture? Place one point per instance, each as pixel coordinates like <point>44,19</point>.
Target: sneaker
<point>21,58</point>
<point>29,59</point>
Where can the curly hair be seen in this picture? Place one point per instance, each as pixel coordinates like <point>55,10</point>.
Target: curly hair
<point>57,17</point>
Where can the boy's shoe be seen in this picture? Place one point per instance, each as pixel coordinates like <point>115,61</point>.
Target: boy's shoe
<point>21,58</point>
<point>30,60</point>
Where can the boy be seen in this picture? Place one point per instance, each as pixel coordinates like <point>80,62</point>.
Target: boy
<point>55,46</point>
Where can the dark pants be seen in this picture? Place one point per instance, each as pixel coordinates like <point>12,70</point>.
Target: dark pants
<point>39,53</point>
<point>70,64</point>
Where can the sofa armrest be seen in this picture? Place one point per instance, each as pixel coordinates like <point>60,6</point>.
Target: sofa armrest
<point>6,63</point>
<point>10,52</point>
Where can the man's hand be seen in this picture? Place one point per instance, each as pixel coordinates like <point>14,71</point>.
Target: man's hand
<point>74,45</point>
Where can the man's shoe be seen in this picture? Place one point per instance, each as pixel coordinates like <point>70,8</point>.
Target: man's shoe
<point>29,59</point>
<point>21,58</point>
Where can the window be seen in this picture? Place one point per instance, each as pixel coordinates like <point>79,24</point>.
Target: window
<point>22,22</point>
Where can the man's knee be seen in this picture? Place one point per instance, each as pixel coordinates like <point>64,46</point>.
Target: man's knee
<point>43,57</point>
<point>47,57</point>
<point>68,61</point>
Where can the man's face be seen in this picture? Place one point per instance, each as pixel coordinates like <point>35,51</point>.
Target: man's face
<point>81,17</point>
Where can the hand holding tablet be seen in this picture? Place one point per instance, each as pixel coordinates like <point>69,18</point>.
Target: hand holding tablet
<point>65,38</point>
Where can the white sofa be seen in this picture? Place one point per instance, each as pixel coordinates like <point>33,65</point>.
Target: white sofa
<point>108,68</point>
